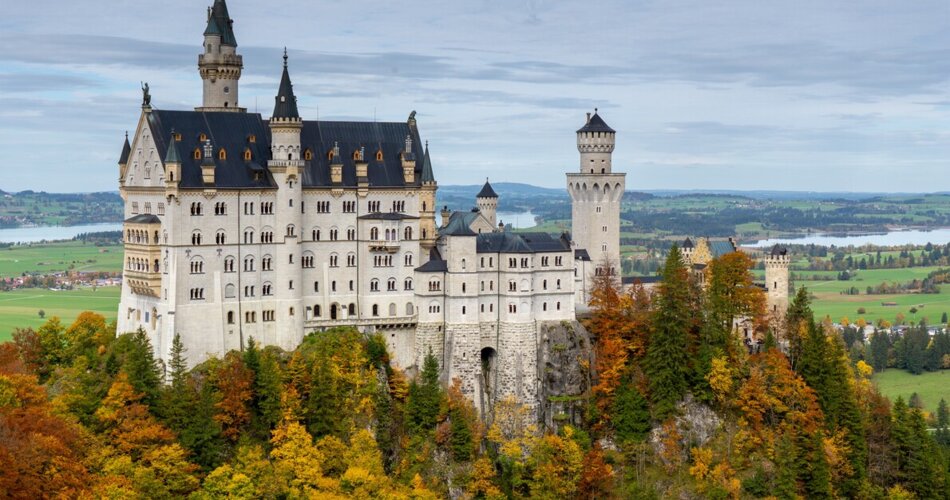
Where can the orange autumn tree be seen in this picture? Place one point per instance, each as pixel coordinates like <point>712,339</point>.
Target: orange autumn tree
<point>618,332</point>
<point>234,382</point>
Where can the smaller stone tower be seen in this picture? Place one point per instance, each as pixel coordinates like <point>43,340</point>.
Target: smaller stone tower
<point>776,284</point>
<point>286,165</point>
<point>487,202</point>
<point>220,65</point>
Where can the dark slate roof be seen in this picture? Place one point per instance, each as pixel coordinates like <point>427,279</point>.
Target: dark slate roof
<point>720,248</point>
<point>219,23</point>
<point>464,218</point>
<point>232,132</point>
<point>596,124</point>
<point>126,150</point>
<point>388,137</point>
<point>581,254</point>
<point>435,264</point>
<point>427,175</point>
<point>699,267</point>
<point>520,243</point>
<point>487,191</point>
<point>227,130</point>
<point>386,216</point>
<point>285,102</point>
<point>144,219</point>
<point>688,243</point>
<point>457,226</point>
<point>779,250</point>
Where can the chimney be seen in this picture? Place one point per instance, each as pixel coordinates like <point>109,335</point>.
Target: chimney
<point>588,118</point>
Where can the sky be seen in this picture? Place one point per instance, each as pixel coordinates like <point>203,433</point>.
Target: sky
<point>746,95</point>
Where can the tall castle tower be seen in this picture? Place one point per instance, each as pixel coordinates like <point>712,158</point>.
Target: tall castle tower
<point>776,284</point>
<point>596,192</point>
<point>286,166</point>
<point>487,202</point>
<point>220,65</point>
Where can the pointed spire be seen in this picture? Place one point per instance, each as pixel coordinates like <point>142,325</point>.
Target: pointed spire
<point>220,23</point>
<point>172,155</point>
<point>427,175</point>
<point>126,150</point>
<point>286,102</point>
<point>487,191</point>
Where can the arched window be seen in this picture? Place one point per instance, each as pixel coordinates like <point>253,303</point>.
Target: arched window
<point>307,154</point>
<point>407,284</point>
<point>247,154</point>
<point>379,155</point>
<point>392,309</point>
<point>222,154</point>
<point>197,154</point>
<point>230,317</point>
<point>374,233</point>
<point>375,310</point>
<point>407,233</point>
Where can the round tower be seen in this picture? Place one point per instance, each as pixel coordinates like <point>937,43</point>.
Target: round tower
<point>286,165</point>
<point>596,193</point>
<point>776,283</point>
<point>487,202</point>
<point>595,142</point>
<point>220,65</point>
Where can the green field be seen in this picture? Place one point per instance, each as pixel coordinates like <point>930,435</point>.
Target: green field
<point>931,386</point>
<point>20,308</point>
<point>830,301</point>
<point>57,257</point>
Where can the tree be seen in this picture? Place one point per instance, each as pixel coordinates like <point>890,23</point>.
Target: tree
<point>880,344</point>
<point>667,358</point>
<point>425,398</point>
<point>297,462</point>
<point>234,383</point>
<point>630,413</point>
<point>143,370</point>
<point>556,464</point>
<point>943,423</point>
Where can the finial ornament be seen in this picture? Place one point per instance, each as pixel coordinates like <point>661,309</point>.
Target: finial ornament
<point>595,111</point>
<point>285,57</point>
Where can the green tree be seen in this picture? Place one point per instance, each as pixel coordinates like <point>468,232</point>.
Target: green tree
<point>943,423</point>
<point>425,398</point>
<point>667,358</point>
<point>879,350</point>
<point>631,414</point>
<point>143,370</point>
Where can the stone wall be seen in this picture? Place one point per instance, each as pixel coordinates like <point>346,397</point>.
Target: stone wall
<point>564,357</point>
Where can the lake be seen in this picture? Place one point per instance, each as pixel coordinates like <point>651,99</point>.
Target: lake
<point>890,238</point>
<point>49,233</point>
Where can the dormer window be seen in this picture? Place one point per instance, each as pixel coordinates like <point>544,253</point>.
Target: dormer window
<point>177,136</point>
<point>247,155</point>
<point>222,154</point>
<point>197,154</point>
<point>202,137</point>
<point>252,138</point>
<point>356,155</point>
<point>379,155</point>
<point>330,155</point>
<point>308,155</point>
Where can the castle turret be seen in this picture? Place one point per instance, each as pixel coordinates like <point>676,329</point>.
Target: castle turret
<point>286,165</point>
<point>220,65</point>
<point>427,203</point>
<point>596,193</point>
<point>487,202</point>
<point>124,159</point>
<point>776,283</point>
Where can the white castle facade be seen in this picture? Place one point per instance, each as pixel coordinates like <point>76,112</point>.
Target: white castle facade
<point>241,227</point>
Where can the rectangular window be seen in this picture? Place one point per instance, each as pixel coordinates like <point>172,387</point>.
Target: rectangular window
<point>135,207</point>
<point>161,208</point>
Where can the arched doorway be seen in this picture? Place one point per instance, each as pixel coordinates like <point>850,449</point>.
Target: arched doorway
<point>333,310</point>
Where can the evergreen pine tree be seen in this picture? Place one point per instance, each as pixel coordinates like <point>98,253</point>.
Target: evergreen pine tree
<point>142,368</point>
<point>667,359</point>
<point>461,439</point>
<point>786,470</point>
<point>323,405</point>
<point>425,397</point>
<point>630,415</point>
<point>817,475</point>
<point>385,425</point>
<point>943,422</point>
<point>268,390</point>
<point>943,318</point>
<point>879,347</point>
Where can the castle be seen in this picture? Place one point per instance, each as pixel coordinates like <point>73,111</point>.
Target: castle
<point>241,227</point>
